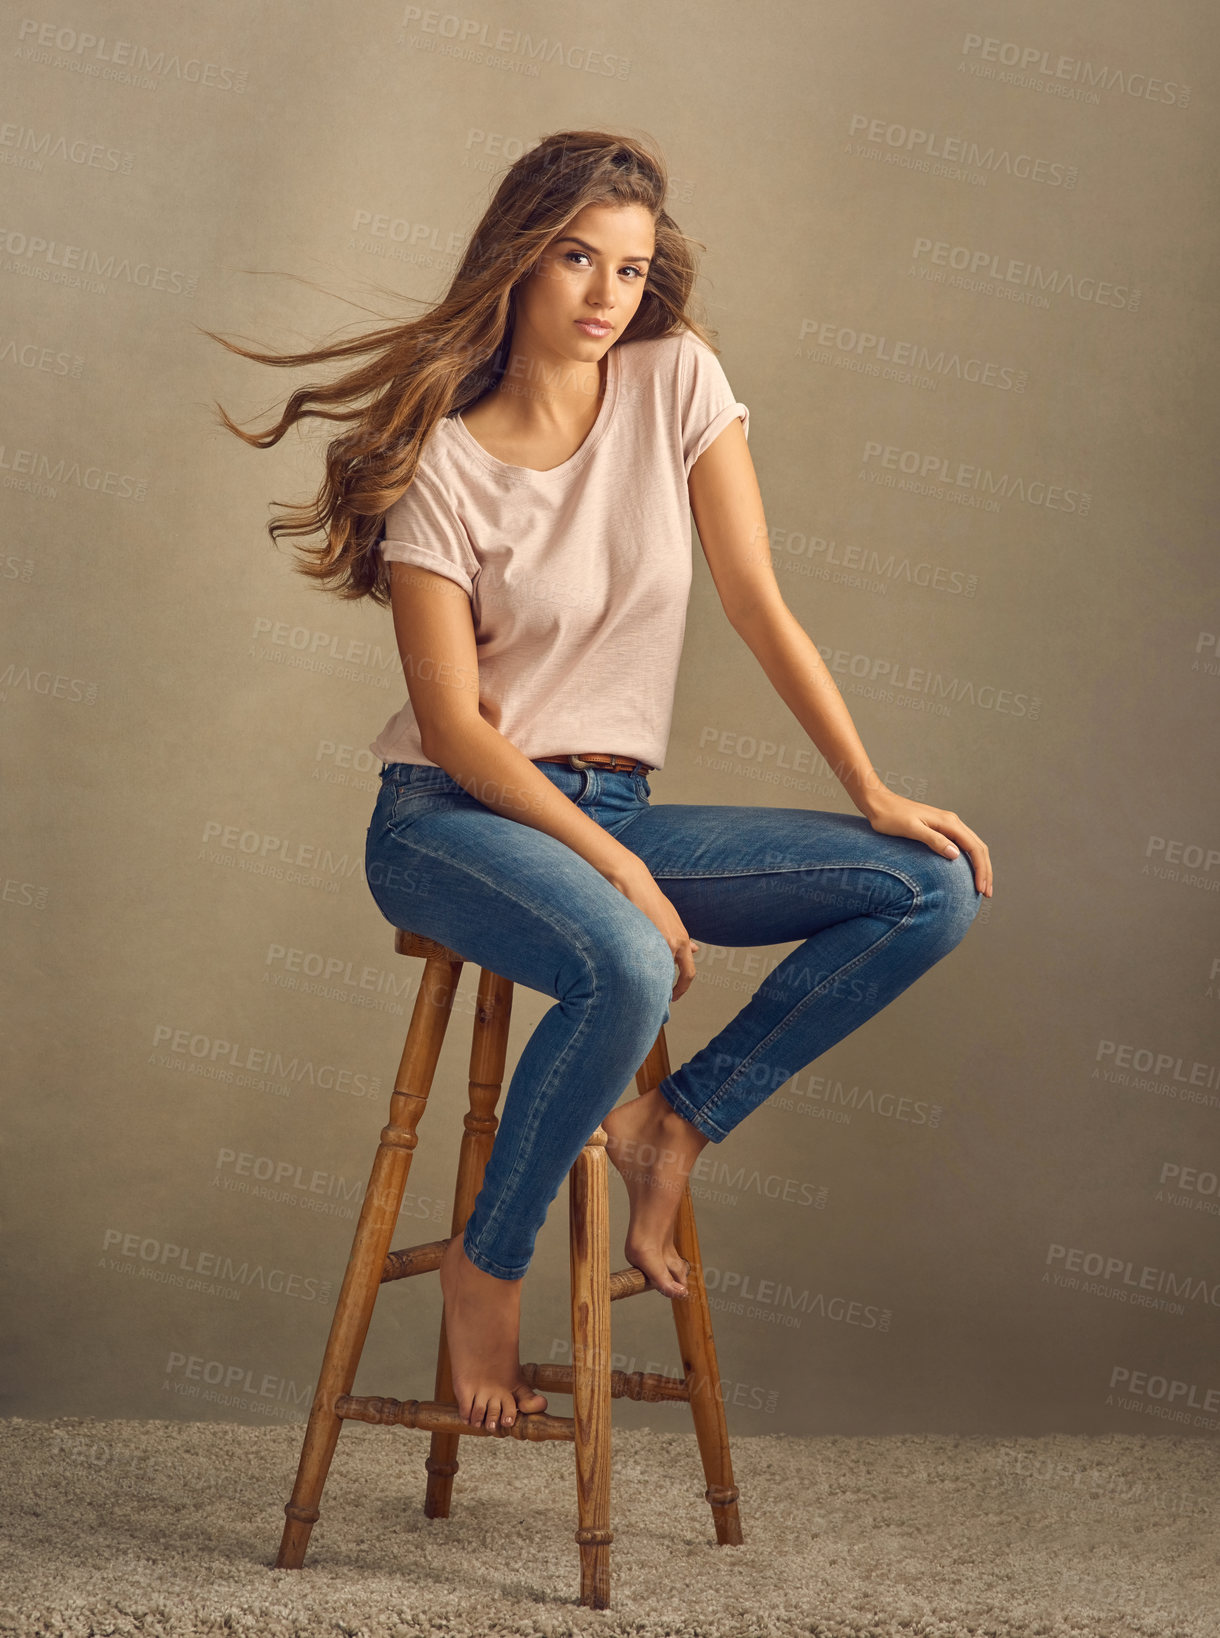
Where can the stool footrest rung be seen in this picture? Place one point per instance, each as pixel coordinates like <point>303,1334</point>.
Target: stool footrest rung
<point>422,1259</point>
<point>628,1282</point>
<point>645,1385</point>
<point>443,1418</point>
<point>400,1265</point>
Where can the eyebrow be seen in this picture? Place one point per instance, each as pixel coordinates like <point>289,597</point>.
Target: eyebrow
<point>571,239</point>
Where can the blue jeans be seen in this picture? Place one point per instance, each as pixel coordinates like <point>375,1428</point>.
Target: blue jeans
<point>873,912</point>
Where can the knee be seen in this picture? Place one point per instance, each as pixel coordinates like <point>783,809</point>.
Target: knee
<point>633,972</point>
<point>949,897</point>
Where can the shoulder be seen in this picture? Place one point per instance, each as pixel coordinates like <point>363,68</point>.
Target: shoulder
<point>441,464</point>
<point>437,482</point>
<point>666,369</point>
<point>663,355</point>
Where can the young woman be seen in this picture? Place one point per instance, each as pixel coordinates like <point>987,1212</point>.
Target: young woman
<point>519,490</point>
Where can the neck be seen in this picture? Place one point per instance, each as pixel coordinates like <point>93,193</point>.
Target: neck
<point>540,388</point>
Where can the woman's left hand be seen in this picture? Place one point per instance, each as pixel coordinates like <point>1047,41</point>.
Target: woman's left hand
<point>895,815</point>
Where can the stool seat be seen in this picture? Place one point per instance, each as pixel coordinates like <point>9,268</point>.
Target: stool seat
<point>415,944</point>
<point>589,1379</point>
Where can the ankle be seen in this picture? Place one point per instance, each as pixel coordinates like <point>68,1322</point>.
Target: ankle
<point>680,1131</point>
<point>474,1276</point>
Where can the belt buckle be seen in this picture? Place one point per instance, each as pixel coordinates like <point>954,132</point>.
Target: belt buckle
<point>576,762</point>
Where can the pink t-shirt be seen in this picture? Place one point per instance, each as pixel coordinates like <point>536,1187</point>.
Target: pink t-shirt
<point>579,577</point>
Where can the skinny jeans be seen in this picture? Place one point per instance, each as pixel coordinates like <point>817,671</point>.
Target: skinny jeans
<point>873,912</point>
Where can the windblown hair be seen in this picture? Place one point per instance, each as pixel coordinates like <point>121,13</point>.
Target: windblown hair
<point>419,371</point>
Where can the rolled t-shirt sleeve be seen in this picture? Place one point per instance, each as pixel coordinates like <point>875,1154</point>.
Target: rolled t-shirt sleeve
<point>422,527</point>
<point>708,402</point>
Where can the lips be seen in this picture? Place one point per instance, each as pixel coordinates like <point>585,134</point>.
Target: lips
<point>592,328</point>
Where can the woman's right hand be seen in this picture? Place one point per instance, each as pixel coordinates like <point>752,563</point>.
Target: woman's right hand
<point>636,882</point>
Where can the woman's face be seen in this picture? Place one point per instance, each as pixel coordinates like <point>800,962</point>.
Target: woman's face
<point>592,270</point>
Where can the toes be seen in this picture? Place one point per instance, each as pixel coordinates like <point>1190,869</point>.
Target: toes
<point>660,1279</point>
<point>665,1271</point>
<point>529,1401</point>
<point>496,1409</point>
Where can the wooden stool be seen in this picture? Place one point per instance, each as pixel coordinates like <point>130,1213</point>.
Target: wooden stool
<point>589,1379</point>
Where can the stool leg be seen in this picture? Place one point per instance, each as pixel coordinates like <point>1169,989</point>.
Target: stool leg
<point>693,1321</point>
<point>589,1240</point>
<point>366,1263</point>
<point>488,1052</point>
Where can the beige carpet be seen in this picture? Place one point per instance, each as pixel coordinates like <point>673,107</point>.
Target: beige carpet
<point>170,1528</point>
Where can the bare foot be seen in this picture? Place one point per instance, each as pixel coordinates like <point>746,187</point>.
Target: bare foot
<point>654,1148</point>
<point>483,1328</point>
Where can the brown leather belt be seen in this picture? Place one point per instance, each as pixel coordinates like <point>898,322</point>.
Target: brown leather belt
<point>600,759</point>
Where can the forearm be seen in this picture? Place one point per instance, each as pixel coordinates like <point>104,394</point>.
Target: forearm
<point>799,676</point>
<point>492,769</point>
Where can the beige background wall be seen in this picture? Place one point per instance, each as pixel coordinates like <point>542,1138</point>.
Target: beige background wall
<point>970,304</point>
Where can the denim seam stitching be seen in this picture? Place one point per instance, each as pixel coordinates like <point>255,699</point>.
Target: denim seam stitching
<point>722,1092</point>
<point>530,1130</point>
<point>523,1147</point>
<point>464,863</point>
<point>780,870</point>
<point>689,1111</point>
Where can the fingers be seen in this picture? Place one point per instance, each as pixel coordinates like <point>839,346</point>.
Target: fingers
<point>650,899</point>
<point>938,828</point>
<point>685,962</point>
<point>950,833</point>
<point>980,857</point>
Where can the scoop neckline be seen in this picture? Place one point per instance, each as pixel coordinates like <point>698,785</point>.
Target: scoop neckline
<point>594,436</point>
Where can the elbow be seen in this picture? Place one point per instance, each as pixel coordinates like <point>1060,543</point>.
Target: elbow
<point>428,735</point>
<point>760,613</point>
<point>438,738</point>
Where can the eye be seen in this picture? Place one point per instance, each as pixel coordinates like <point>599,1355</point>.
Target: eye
<point>630,267</point>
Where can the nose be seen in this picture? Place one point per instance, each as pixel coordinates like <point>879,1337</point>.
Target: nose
<point>601,290</point>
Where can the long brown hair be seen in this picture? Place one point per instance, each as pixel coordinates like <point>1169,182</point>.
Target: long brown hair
<point>424,369</point>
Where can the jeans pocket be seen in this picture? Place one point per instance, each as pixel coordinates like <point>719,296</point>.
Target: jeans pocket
<point>421,791</point>
<point>418,776</point>
<point>407,806</point>
<point>393,869</point>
